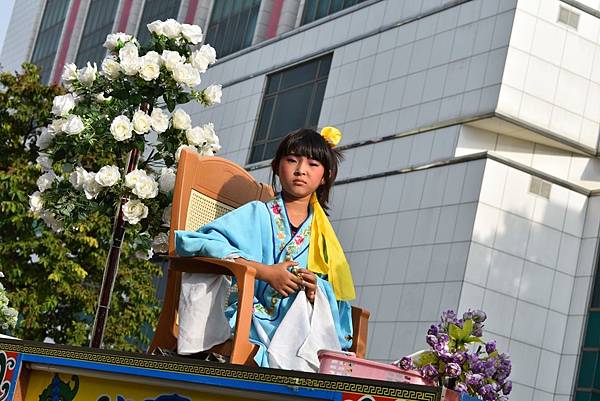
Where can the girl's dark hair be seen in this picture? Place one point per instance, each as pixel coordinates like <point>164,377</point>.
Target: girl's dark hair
<point>309,143</point>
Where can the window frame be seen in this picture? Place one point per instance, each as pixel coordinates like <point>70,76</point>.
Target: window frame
<point>43,38</point>
<point>246,35</point>
<point>95,44</point>
<point>311,113</point>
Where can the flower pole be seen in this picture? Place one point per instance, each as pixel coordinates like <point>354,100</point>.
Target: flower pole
<point>116,109</point>
<point>114,253</point>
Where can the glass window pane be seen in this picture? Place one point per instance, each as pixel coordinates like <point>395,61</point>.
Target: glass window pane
<point>98,24</point>
<point>48,38</point>
<point>302,73</point>
<point>273,83</point>
<point>315,111</point>
<point>581,396</point>
<point>587,369</point>
<point>257,153</point>
<point>156,10</point>
<point>315,9</point>
<point>237,20</point>
<point>592,337</point>
<point>293,100</point>
<point>263,125</point>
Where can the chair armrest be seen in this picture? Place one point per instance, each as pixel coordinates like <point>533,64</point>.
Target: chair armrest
<point>202,264</point>
<point>360,329</point>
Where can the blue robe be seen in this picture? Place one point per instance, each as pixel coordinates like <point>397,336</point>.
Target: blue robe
<point>261,232</point>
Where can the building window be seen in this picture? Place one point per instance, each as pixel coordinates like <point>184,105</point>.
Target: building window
<point>292,100</point>
<point>316,9</point>
<point>48,36</point>
<point>98,24</point>
<point>232,25</point>
<point>588,380</point>
<point>568,17</point>
<point>156,10</point>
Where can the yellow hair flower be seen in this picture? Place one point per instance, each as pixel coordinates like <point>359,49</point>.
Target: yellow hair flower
<point>332,135</point>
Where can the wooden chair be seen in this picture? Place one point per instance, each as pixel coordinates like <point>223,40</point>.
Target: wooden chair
<point>207,188</point>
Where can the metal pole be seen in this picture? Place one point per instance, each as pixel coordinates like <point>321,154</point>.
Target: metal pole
<point>112,261</point>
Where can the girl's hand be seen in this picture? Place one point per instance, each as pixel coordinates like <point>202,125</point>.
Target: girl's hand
<point>281,279</point>
<point>310,283</point>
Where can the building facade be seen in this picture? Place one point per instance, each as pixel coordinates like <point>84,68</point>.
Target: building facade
<point>471,127</point>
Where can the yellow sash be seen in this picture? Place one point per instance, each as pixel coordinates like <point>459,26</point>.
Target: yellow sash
<point>326,256</point>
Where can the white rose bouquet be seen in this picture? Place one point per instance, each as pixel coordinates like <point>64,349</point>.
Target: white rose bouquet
<point>132,96</point>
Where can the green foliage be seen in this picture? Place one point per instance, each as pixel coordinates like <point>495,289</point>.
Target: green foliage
<point>54,281</point>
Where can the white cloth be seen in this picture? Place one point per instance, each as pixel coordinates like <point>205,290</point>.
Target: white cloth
<point>202,321</point>
<point>304,330</point>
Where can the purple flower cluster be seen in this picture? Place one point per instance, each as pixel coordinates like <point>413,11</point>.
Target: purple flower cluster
<point>458,357</point>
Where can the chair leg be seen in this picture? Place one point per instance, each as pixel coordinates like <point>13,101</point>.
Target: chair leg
<point>166,329</point>
<point>243,350</point>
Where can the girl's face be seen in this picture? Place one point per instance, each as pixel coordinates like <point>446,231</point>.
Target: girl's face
<point>300,176</point>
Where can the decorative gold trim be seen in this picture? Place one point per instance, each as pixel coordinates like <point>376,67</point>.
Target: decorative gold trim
<point>224,371</point>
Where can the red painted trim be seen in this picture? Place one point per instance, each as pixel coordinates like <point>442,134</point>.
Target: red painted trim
<point>191,12</point>
<point>274,20</point>
<point>125,15</point>
<point>66,41</point>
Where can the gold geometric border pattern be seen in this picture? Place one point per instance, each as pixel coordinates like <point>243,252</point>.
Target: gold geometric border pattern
<point>222,372</point>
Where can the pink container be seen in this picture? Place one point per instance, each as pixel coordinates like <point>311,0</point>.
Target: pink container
<point>347,364</point>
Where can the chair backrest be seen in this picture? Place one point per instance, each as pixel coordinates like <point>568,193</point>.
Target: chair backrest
<point>207,187</point>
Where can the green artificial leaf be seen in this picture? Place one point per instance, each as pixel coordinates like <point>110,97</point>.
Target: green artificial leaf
<point>183,98</point>
<point>426,358</point>
<point>170,102</point>
<point>466,330</point>
<point>454,331</point>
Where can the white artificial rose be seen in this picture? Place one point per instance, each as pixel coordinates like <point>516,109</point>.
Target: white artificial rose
<point>45,180</point>
<point>73,125</point>
<point>77,177</point>
<point>171,59</point>
<point>191,33</point>
<point>133,176</point>
<point>69,73</point>
<point>144,255</point>
<point>62,105</point>
<point>145,187</point>
<point>171,28</point>
<point>181,119</point>
<point>108,176</point>
<point>141,122</point>
<point>156,27</point>
<point>121,128</point>
<point>195,136</point>
<point>36,203</point>
<point>203,57</point>
<point>152,57</point>
<point>113,39</point>
<point>134,211</point>
<point>87,75</point>
<point>44,161</point>
<point>212,94</point>
<point>100,98</point>
<point>179,149</point>
<point>57,125</point>
<point>44,139</point>
<point>148,70</point>
<point>51,221</point>
<point>129,51</point>
<point>91,188</point>
<point>131,66</point>
<point>160,243</point>
<point>206,151</point>
<point>110,68</point>
<point>166,216</point>
<point>212,140</point>
<point>186,74</point>
<point>160,120</point>
<point>166,181</point>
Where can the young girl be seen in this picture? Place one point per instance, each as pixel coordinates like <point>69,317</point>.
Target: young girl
<point>289,241</point>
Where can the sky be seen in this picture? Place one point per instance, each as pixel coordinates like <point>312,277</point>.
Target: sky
<point>6,6</point>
